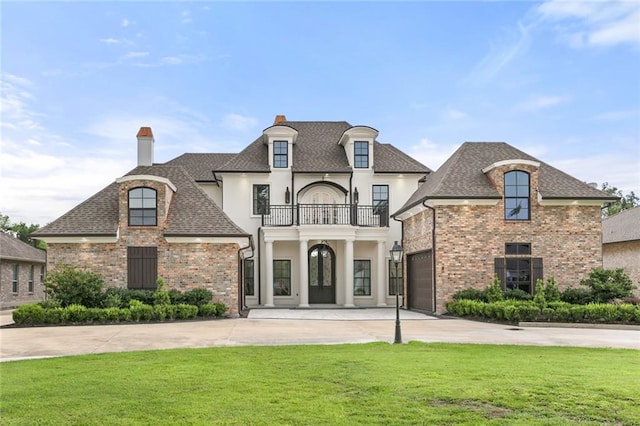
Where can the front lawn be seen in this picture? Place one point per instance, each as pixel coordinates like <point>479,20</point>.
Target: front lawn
<point>375,383</point>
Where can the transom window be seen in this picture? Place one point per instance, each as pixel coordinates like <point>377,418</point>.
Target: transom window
<point>361,155</point>
<point>280,154</point>
<point>142,207</point>
<point>362,278</point>
<point>516,195</point>
<point>282,278</point>
<point>260,199</point>
<point>517,249</point>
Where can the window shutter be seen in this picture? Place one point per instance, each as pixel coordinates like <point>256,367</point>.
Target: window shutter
<point>536,272</point>
<point>500,270</point>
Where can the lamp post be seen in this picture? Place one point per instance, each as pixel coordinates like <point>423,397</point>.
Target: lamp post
<point>396,253</point>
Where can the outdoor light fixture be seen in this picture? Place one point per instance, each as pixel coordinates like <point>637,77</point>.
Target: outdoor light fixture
<point>396,253</point>
<point>287,196</point>
<point>355,196</point>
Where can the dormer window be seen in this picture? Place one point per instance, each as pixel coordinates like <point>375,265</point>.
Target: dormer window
<point>143,207</point>
<point>361,155</point>
<point>280,154</point>
<point>516,195</point>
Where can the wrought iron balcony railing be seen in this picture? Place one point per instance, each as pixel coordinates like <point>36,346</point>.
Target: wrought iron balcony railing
<point>326,214</point>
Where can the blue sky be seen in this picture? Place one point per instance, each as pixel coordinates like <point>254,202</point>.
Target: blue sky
<point>559,80</point>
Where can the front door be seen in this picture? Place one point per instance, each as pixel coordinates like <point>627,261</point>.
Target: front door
<point>322,277</point>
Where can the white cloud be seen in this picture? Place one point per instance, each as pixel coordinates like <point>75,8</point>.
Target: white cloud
<point>113,41</point>
<point>455,114</point>
<point>171,60</point>
<point>125,22</point>
<point>239,122</point>
<point>619,115</point>
<point>595,23</point>
<point>185,17</point>
<point>130,55</point>
<point>541,102</point>
<point>432,154</point>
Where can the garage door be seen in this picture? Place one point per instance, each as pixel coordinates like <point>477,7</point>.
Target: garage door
<point>419,283</point>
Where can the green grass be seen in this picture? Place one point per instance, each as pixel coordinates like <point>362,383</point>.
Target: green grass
<point>376,383</point>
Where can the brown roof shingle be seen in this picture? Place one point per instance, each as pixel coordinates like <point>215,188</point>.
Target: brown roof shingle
<point>201,166</point>
<point>461,176</point>
<point>12,248</point>
<point>623,226</point>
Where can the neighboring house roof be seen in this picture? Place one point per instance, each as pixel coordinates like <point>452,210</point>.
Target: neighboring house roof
<point>191,213</point>
<point>201,166</point>
<point>623,226</point>
<point>12,248</point>
<point>317,151</point>
<point>461,176</point>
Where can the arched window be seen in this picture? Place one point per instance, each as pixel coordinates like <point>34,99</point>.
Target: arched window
<point>516,195</point>
<point>142,207</point>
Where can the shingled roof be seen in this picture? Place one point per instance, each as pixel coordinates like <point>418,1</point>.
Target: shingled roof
<point>461,176</point>
<point>191,213</point>
<point>201,166</point>
<point>623,226</point>
<point>12,248</point>
<point>317,151</point>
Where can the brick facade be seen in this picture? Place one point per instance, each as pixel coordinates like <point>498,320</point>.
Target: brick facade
<point>11,299</point>
<point>470,237</point>
<point>625,255</point>
<point>183,266</point>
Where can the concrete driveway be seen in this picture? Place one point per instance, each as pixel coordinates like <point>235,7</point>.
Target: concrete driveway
<point>287,327</point>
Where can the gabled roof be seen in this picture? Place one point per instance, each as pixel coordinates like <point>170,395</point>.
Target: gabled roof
<point>191,213</point>
<point>461,176</point>
<point>12,248</point>
<point>201,166</point>
<point>623,226</point>
<point>317,151</point>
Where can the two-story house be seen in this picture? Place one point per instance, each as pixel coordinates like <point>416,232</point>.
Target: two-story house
<point>300,217</point>
<point>492,209</point>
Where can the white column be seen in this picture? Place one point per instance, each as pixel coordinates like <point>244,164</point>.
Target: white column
<point>268,258</point>
<point>348,274</point>
<point>304,274</point>
<point>380,275</point>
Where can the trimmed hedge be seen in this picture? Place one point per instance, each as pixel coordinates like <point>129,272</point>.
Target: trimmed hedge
<point>35,314</point>
<point>515,311</point>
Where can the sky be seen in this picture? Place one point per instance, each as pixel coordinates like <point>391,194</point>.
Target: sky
<point>558,80</point>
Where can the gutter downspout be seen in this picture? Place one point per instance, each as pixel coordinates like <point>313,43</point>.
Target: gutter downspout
<point>259,268</point>
<point>433,252</point>
<point>241,301</point>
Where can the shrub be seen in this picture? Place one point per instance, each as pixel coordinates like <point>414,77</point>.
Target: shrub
<point>517,294</point>
<point>471,294</point>
<point>127,295</point>
<point>50,304</point>
<point>577,296</point>
<point>540,297</point>
<point>176,297</point>
<point>551,290</point>
<point>222,308</point>
<point>54,315</point>
<point>494,291</point>
<point>76,313</point>
<point>140,311</point>
<point>112,300</point>
<point>29,314</point>
<point>161,295</point>
<point>212,310</point>
<point>71,286</point>
<point>197,296</point>
<point>184,311</point>
<point>608,284</point>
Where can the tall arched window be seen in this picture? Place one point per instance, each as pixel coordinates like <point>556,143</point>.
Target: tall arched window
<point>142,207</point>
<point>516,195</point>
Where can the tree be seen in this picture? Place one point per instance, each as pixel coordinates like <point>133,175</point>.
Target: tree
<point>625,201</point>
<point>21,231</point>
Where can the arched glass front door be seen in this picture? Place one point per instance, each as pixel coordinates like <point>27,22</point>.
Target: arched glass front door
<point>322,277</point>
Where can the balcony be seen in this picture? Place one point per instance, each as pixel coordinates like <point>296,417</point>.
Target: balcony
<point>326,214</point>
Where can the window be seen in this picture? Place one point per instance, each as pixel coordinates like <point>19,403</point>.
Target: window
<point>393,280</point>
<point>282,278</point>
<point>14,280</point>
<point>516,195</point>
<point>362,278</point>
<point>142,207</point>
<point>361,155</point>
<point>280,154</point>
<point>260,199</point>
<point>142,267</point>
<point>249,283</point>
<point>42,274</point>
<point>380,201</point>
<point>521,272</point>
<point>30,282</point>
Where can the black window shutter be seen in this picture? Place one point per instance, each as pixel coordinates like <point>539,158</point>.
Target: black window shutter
<point>142,267</point>
<point>500,270</point>
<point>537,272</point>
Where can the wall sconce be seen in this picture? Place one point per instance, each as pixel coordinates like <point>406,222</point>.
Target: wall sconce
<point>287,196</point>
<point>356,197</point>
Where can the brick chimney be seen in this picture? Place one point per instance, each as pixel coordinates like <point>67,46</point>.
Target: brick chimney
<point>145,146</point>
<point>279,119</point>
